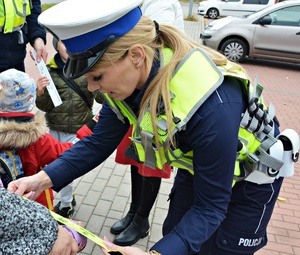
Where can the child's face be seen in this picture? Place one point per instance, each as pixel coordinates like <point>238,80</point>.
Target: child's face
<point>62,51</point>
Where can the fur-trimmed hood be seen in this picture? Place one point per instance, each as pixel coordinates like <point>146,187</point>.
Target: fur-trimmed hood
<point>20,135</point>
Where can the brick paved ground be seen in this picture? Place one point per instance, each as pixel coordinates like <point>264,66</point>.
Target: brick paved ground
<point>103,194</point>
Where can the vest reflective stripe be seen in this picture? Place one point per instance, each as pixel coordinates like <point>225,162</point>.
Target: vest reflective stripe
<point>13,14</point>
<point>121,109</point>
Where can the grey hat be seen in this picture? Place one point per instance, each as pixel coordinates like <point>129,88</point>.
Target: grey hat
<point>17,91</point>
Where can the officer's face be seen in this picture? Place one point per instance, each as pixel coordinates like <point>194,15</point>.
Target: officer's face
<point>120,79</point>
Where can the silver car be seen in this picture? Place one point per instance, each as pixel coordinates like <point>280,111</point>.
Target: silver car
<point>272,33</point>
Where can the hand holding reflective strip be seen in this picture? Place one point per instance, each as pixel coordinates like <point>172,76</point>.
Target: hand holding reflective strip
<point>55,97</point>
<point>81,230</point>
<point>84,232</point>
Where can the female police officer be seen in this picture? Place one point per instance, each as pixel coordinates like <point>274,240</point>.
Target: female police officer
<point>185,104</point>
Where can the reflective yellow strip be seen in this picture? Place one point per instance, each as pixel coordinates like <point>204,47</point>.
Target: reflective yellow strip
<point>83,232</point>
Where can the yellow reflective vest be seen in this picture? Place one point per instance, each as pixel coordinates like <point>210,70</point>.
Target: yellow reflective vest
<point>13,14</point>
<point>184,104</point>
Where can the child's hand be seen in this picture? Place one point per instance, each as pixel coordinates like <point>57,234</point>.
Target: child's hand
<point>96,117</point>
<point>41,84</point>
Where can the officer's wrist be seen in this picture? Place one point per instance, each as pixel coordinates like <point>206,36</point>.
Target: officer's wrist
<point>37,39</point>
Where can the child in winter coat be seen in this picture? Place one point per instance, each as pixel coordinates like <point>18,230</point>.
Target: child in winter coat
<point>25,131</point>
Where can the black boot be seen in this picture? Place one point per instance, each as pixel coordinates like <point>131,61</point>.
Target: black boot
<point>122,224</point>
<point>139,228</point>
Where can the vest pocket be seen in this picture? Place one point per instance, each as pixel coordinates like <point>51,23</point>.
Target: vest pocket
<point>148,153</point>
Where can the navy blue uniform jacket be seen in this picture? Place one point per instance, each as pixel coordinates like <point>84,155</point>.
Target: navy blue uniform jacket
<point>212,134</point>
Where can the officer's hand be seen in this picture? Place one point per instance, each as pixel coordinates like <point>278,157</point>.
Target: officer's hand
<point>127,250</point>
<point>41,50</point>
<point>31,186</point>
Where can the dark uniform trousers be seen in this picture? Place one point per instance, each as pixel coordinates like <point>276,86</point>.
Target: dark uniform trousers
<point>243,231</point>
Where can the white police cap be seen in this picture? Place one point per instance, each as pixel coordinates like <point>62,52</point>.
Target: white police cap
<point>88,27</point>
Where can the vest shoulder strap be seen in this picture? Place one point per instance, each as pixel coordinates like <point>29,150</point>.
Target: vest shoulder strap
<point>203,81</point>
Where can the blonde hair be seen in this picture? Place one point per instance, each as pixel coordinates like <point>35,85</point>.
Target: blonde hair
<point>168,36</point>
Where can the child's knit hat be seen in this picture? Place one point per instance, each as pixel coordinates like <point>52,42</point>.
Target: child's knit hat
<point>17,91</point>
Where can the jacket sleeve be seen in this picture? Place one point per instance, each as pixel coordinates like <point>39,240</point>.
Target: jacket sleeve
<point>35,30</point>
<point>88,153</point>
<point>44,102</point>
<point>26,227</point>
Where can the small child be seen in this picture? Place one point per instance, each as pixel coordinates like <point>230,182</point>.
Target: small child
<point>66,119</point>
<point>26,132</point>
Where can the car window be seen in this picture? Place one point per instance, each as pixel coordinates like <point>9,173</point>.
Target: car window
<point>289,16</point>
<point>255,2</point>
<point>265,1</point>
<point>231,0</point>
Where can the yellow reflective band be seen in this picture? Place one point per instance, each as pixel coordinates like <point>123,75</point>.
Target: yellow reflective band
<point>82,231</point>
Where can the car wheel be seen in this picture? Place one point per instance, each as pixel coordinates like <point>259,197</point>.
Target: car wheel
<point>234,49</point>
<point>213,13</point>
